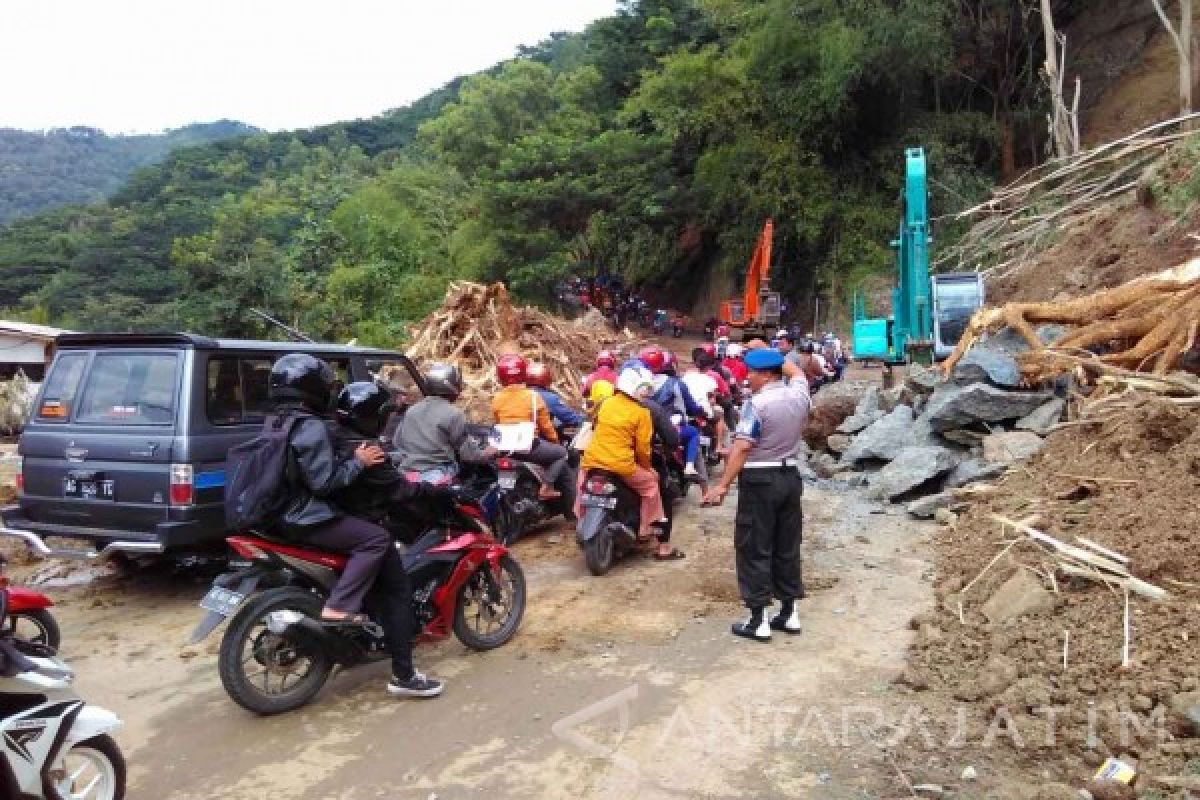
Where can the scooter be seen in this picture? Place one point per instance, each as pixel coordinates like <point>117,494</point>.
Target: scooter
<point>608,528</point>
<point>276,653</point>
<point>53,744</point>
<point>508,488</point>
<point>27,616</point>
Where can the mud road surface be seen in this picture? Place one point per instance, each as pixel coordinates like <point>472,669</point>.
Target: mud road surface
<point>626,686</point>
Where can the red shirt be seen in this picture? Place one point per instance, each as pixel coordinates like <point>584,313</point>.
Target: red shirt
<point>736,368</point>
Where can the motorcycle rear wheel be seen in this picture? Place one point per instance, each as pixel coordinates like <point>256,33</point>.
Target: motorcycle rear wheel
<point>483,595</point>
<point>273,653</point>
<point>95,763</point>
<point>37,626</point>
<point>598,553</point>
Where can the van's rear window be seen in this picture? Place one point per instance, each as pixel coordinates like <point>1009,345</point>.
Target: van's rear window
<point>130,389</point>
<point>58,398</point>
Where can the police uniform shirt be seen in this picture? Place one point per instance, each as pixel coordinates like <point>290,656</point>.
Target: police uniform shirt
<point>773,420</point>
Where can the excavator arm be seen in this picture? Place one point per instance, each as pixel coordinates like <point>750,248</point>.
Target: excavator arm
<point>747,312</point>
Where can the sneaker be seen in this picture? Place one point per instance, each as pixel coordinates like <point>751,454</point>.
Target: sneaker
<point>690,471</point>
<point>788,624</point>
<point>416,686</point>
<point>758,630</point>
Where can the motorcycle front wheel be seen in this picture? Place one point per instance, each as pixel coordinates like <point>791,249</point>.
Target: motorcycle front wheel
<point>269,673</point>
<point>489,606</point>
<point>93,769</point>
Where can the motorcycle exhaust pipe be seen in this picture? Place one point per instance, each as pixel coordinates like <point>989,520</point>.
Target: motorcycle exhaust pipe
<point>330,639</point>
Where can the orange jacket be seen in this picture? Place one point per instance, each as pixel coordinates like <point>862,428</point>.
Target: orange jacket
<point>514,404</point>
<point>621,441</point>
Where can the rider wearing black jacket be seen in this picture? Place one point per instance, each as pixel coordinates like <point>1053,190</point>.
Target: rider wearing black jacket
<point>302,385</point>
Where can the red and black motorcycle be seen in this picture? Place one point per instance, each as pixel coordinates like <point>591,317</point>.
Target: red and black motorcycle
<point>28,616</point>
<point>276,653</point>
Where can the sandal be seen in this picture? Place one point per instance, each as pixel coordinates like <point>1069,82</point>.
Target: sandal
<point>674,555</point>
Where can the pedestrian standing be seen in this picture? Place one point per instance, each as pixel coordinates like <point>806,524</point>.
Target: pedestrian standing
<point>769,517</point>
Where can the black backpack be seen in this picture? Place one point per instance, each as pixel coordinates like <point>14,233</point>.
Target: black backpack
<point>256,485</point>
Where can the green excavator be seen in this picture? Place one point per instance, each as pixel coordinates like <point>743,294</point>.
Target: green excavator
<point>929,313</point>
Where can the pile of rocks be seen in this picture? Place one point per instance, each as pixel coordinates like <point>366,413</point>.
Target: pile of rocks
<point>917,442</point>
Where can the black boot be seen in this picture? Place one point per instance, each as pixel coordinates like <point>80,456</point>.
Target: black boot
<point>755,627</point>
<point>787,620</point>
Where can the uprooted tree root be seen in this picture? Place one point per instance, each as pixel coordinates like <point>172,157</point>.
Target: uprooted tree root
<point>1144,326</point>
<point>477,324</point>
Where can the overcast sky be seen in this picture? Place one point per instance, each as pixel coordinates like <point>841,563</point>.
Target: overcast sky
<point>146,65</point>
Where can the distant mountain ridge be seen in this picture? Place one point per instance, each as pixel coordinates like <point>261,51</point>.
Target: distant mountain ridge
<point>40,170</point>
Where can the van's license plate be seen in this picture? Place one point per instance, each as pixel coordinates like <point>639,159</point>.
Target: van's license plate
<point>507,480</point>
<point>89,488</point>
<point>222,601</point>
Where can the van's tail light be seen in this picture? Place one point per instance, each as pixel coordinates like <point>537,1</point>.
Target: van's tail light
<point>504,463</point>
<point>183,489</point>
<point>20,474</point>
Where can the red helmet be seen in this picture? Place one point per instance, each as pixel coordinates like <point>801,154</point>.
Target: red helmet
<point>606,358</point>
<point>653,358</point>
<point>709,349</point>
<point>539,375</point>
<point>722,330</point>
<point>511,369</point>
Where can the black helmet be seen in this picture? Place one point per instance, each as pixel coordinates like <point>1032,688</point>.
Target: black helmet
<point>444,380</point>
<point>302,378</point>
<point>364,406</point>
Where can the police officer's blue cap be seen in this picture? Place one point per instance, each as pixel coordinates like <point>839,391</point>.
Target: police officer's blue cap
<point>764,359</point>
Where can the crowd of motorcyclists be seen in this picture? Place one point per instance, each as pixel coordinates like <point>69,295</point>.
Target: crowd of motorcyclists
<point>375,455</point>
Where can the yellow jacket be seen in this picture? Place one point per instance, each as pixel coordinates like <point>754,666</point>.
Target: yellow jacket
<point>621,440</point>
<point>514,404</point>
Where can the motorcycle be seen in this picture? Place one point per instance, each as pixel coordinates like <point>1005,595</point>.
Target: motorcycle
<point>54,745</point>
<point>507,489</point>
<point>677,329</point>
<point>608,528</point>
<point>276,653</point>
<point>27,617</point>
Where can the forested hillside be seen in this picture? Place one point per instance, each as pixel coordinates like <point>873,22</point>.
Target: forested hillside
<point>63,166</point>
<point>653,144</point>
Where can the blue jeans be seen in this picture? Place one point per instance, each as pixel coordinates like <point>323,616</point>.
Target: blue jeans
<point>691,443</point>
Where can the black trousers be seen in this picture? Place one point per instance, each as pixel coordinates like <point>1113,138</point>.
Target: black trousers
<point>767,535</point>
<point>374,577</point>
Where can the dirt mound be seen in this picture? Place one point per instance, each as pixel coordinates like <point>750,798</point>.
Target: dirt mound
<point>477,324</point>
<point>1127,484</point>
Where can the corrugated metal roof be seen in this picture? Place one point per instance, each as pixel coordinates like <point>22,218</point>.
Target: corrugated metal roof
<point>30,330</point>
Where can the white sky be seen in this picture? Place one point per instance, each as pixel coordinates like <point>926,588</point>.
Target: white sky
<point>146,65</point>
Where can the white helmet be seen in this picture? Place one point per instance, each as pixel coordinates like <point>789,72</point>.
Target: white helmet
<point>635,382</point>
<point>782,333</point>
<point>736,351</point>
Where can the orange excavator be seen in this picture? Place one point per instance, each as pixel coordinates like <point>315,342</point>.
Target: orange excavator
<point>757,312</point>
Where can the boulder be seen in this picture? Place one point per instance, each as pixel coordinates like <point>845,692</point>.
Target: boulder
<point>869,402</point>
<point>886,438</point>
<point>860,421</point>
<point>1042,418</point>
<point>1186,705</point>
<point>981,365</point>
<point>838,442</point>
<point>964,436</point>
<point>1019,595</point>
<point>830,408</point>
<point>891,399</point>
<point>953,407</point>
<point>927,507</point>
<point>912,468</point>
<point>823,465</point>
<point>922,380</point>
<point>1011,448</point>
<point>972,470</point>
<point>1010,342</point>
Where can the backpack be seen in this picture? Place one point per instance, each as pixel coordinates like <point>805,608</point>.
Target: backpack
<point>256,485</point>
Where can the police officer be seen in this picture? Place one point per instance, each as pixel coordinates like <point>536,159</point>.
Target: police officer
<point>769,517</point>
